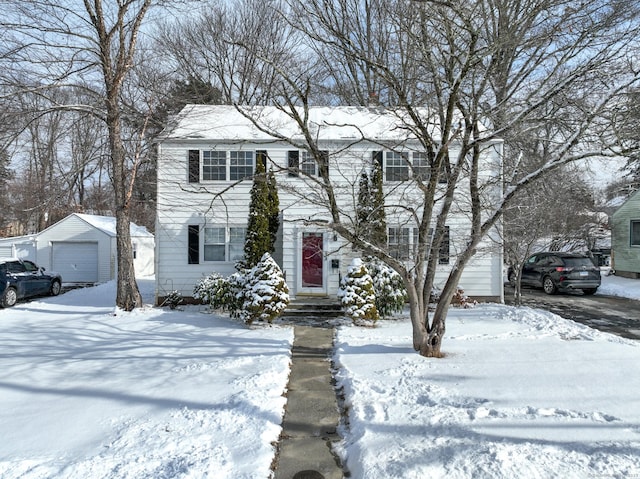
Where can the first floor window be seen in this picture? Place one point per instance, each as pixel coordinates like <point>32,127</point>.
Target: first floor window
<point>214,244</point>
<point>399,243</point>
<point>218,243</point>
<point>445,248</point>
<point>236,243</point>
<point>635,232</point>
<point>402,241</point>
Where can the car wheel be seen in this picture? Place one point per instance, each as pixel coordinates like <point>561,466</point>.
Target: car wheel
<point>548,285</point>
<point>590,291</point>
<point>9,298</point>
<point>55,288</point>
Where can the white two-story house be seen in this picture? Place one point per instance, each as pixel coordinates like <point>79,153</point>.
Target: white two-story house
<point>206,158</point>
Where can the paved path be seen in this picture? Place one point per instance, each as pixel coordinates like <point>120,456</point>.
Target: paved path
<point>311,414</point>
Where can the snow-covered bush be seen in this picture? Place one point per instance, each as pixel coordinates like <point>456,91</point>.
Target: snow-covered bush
<point>219,292</point>
<point>388,287</point>
<point>265,293</point>
<point>173,299</point>
<point>356,293</point>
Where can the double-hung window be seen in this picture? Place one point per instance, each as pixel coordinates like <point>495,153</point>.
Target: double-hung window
<point>303,162</point>
<point>236,243</point>
<point>399,243</point>
<point>635,232</point>
<point>402,241</point>
<point>214,244</point>
<point>221,165</point>
<point>421,166</point>
<point>219,243</point>
<point>396,166</point>
<point>307,164</point>
<point>241,164</point>
<point>214,165</point>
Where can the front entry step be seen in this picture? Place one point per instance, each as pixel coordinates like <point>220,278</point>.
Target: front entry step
<point>323,307</point>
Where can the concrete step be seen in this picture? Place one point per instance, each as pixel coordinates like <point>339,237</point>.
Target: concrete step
<point>317,307</point>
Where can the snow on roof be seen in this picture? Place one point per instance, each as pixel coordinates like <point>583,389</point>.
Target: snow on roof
<point>226,122</point>
<point>108,225</point>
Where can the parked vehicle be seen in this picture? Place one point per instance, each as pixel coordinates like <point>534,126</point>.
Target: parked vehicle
<point>20,279</point>
<point>553,271</point>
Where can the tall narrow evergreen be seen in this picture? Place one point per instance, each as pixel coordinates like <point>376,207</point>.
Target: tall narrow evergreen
<point>371,217</point>
<point>363,208</point>
<point>273,205</point>
<point>258,238</point>
<point>378,218</point>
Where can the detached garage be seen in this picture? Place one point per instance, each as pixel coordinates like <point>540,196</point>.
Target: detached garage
<point>82,248</point>
<point>23,247</point>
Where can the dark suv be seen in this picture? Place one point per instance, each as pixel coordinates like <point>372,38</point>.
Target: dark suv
<point>555,271</point>
<point>23,279</point>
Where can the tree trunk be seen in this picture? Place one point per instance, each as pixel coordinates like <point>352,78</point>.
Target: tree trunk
<point>128,295</point>
<point>427,335</point>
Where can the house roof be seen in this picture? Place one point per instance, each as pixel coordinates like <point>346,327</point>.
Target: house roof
<point>107,224</point>
<point>632,201</point>
<point>229,123</point>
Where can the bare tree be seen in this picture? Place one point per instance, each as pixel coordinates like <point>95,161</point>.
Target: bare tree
<point>502,64</point>
<point>88,45</point>
<point>235,46</point>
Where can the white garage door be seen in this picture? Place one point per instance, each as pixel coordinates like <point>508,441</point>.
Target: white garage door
<point>76,262</point>
<point>6,251</point>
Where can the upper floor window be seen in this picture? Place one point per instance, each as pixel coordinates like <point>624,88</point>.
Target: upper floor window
<point>308,164</point>
<point>400,166</point>
<point>214,165</point>
<point>220,165</point>
<point>421,166</point>
<point>305,163</point>
<point>241,164</point>
<point>396,166</point>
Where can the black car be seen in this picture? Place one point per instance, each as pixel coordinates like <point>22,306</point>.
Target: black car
<point>553,271</point>
<point>23,279</point>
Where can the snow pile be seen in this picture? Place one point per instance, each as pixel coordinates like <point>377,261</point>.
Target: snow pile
<point>618,286</point>
<point>87,391</point>
<point>521,393</point>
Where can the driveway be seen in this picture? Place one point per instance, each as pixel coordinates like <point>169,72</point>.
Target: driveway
<point>611,314</point>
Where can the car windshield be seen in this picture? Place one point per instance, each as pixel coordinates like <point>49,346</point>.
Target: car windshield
<point>579,262</point>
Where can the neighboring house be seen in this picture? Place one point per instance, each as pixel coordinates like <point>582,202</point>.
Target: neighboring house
<point>205,161</point>
<point>625,238</point>
<point>82,248</point>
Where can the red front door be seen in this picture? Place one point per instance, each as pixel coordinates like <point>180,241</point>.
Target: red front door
<point>312,260</point>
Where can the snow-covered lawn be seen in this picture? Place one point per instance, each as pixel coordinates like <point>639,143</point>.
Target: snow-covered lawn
<point>86,393</point>
<point>90,392</point>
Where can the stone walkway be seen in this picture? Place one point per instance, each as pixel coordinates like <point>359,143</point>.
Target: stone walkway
<point>311,414</point>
